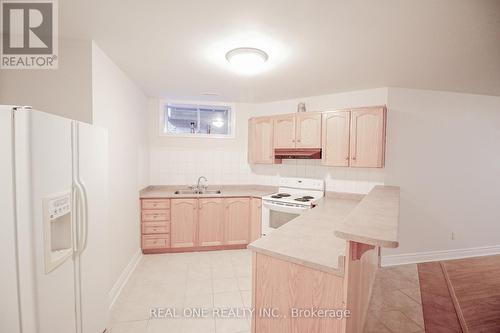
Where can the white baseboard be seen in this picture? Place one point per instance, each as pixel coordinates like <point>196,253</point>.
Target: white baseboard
<point>415,258</point>
<point>122,280</point>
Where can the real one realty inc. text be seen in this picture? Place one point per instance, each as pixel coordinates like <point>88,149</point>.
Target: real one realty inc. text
<point>221,313</point>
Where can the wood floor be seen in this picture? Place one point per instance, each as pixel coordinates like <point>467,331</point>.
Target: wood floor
<point>461,295</point>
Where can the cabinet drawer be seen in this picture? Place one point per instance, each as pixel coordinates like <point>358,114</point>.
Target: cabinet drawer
<point>155,241</point>
<point>155,215</point>
<point>155,228</point>
<point>155,204</point>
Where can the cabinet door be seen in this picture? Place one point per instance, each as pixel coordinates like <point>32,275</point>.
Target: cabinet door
<point>252,135</point>
<point>367,143</point>
<point>237,221</point>
<point>335,138</point>
<point>183,222</point>
<point>211,222</point>
<point>262,138</point>
<point>255,218</point>
<point>284,131</point>
<point>308,133</point>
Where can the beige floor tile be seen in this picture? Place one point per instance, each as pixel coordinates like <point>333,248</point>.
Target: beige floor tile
<point>166,325</point>
<point>413,293</point>
<point>243,271</point>
<point>231,325</point>
<point>225,285</point>
<point>246,296</point>
<point>199,301</point>
<point>129,327</point>
<point>396,321</point>
<point>416,314</point>
<point>199,287</point>
<point>244,283</point>
<point>197,326</point>
<point>229,299</point>
<point>223,272</point>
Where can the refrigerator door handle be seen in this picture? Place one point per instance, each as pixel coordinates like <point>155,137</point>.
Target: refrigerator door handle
<point>82,215</point>
<point>85,219</point>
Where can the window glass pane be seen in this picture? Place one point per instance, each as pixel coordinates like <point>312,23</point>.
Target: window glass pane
<point>204,119</point>
<point>214,121</point>
<point>180,119</point>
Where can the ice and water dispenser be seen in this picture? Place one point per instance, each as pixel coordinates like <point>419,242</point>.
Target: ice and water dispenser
<point>58,233</point>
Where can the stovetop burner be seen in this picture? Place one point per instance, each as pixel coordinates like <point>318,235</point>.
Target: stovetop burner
<point>303,199</point>
<point>280,195</point>
<point>307,197</point>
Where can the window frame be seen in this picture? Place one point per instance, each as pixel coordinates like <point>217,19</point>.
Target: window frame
<point>232,120</point>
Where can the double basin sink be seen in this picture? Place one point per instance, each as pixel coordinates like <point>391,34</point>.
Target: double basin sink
<point>197,191</point>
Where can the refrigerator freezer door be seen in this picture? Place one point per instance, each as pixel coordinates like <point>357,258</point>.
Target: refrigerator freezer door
<point>93,262</point>
<point>9,304</point>
<point>43,169</point>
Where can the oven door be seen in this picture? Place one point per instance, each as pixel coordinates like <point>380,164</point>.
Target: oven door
<point>274,215</point>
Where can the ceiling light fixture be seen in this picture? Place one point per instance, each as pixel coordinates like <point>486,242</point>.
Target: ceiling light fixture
<point>247,60</point>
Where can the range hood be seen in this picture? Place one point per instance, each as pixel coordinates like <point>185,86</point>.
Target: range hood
<point>297,153</point>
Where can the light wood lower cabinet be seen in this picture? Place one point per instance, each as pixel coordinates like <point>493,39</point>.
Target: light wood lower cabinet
<point>196,224</point>
<point>184,221</point>
<point>255,218</point>
<point>237,221</point>
<point>155,225</point>
<point>211,222</point>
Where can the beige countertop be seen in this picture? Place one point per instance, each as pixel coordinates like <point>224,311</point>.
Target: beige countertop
<point>309,239</point>
<point>167,191</point>
<point>317,238</point>
<point>375,220</point>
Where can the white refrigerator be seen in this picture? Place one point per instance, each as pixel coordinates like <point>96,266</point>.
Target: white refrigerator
<point>53,181</point>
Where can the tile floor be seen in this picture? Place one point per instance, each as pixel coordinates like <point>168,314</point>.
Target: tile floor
<point>222,279</point>
<point>396,304</point>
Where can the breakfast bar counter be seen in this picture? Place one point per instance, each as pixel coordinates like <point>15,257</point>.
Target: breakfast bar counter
<point>324,259</point>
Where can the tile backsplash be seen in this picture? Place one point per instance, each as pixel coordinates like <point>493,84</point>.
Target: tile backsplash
<point>179,166</point>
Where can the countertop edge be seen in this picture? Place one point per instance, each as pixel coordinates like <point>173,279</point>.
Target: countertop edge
<point>327,269</point>
<point>366,215</point>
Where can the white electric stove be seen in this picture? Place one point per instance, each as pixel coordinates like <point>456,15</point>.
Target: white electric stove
<point>294,196</point>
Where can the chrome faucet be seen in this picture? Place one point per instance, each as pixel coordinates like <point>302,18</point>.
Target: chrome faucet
<point>198,184</point>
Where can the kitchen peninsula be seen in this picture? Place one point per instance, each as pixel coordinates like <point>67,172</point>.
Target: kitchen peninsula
<point>324,259</point>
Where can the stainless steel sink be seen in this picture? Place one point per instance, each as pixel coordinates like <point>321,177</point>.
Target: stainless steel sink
<point>196,191</point>
<point>211,192</point>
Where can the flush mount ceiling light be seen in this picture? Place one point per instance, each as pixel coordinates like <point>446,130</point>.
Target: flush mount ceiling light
<point>247,60</point>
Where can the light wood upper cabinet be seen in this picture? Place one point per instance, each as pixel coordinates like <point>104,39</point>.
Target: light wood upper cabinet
<point>255,218</point>
<point>335,137</point>
<point>184,221</point>
<point>260,140</point>
<point>367,143</point>
<point>308,130</point>
<point>237,221</point>
<point>211,222</point>
<point>352,137</point>
<point>284,131</point>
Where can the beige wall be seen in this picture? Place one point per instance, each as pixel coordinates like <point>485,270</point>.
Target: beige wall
<point>66,91</point>
<point>443,150</point>
<point>224,161</point>
<point>120,106</point>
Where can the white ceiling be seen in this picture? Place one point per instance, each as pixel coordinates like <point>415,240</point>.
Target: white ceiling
<point>176,48</point>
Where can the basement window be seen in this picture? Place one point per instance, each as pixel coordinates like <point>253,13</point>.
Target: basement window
<point>197,120</point>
